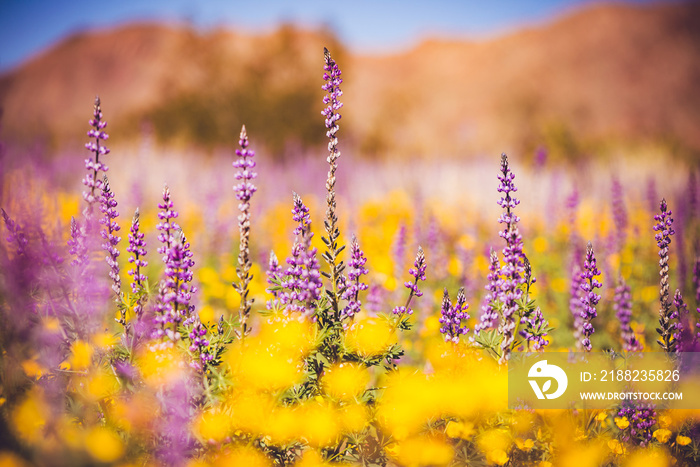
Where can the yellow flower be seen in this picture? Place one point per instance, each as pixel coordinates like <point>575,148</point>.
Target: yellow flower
<point>662,435</point>
<point>682,440</point>
<point>622,422</point>
<point>664,421</point>
<point>497,456</point>
<point>524,445</point>
<point>601,417</point>
<point>459,430</point>
<point>616,447</point>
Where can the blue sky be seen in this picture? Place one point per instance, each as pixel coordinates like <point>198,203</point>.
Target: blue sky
<point>29,26</point>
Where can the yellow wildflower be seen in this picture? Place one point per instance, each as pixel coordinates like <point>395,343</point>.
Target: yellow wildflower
<point>497,456</point>
<point>524,444</point>
<point>662,435</point>
<point>622,422</point>
<point>682,440</point>
<point>601,417</point>
<point>616,447</point>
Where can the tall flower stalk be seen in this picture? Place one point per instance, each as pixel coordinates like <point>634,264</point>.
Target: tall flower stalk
<point>93,181</point>
<point>664,229</point>
<point>590,299</point>
<point>513,269</point>
<point>356,269</point>
<point>623,309</point>
<point>137,248</point>
<point>332,79</point>
<point>453,318</point>
<point>418,273</point>
<point>108,207</point>
<point>244,192</point>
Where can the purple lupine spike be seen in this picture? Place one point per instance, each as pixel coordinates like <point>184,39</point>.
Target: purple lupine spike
<point>513,269</point>
<point>92,180</point>
<point>680,316</point>
<point>15,234</point>
<point>535,330</point>
<point>398,249</point>
<point>489,310</point>
<point>454,317</point>
<point>590,299</point>
<point>356,269</point>
<point>619,211</point>
<point>244,191</point>
<point>332,79</point>
<point>108,207</point>
<point>300,215</point>
<point>137,248</point>
<point>641,418</point>
<point>174,305</point>
<point>664,229</point>
<point>622,305</point>
<point>77,244</point>
<point>200,344</point>
<point>418,273</point>
<point>274,273</point>
<point>302,285</point>
<point>576,305</point>
<point>375,300</point>
<point>167,226</point>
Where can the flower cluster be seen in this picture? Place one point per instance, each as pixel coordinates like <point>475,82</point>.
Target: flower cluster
<point>590,299</point>
<point>536,330</point>
<point>664,229</point>
<point>622,305</point>
<point>489,312</point>
<point>244,191</point>
<point>513,270</point>
<point>301,286</point>
<point>137,248</point>
<point>452,317</point>
<point>92,180</point>
<point>199,343</point>
<point>108,207</point>
<point>641,418</point>
<point>418,273</point>
<point>356,269</point>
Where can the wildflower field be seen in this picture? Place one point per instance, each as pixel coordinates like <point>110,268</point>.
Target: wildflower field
<point>272,327</point>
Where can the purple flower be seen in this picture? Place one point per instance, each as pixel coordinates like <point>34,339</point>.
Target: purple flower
<point>375,299</point>
<point>200,344</point>
<point>418,273</point>
<point>301,286</point>
<point>175,291</point>
<point>489,310</point>
<point>680,317</point>
<point>513,269</point>
<point>664,229</point>
<point>77,244</point>
<point>535,331</point>
<point>137,248</point>
<point>619,212</point>
<point>453,317</point>
<point>590,299</point>
<point>623,309</point>
<point>641,418</point>
<point>92,180</point>
<point>108,207</point>
<point>332,79</point>
<point>575,304</point>
<point>398,249</point>
<point>356,269</point>
<point>244,191</point>
<point>15,234</point>
<point>274,274</point>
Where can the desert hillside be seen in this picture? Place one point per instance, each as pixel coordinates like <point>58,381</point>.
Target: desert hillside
<point>605,75</point>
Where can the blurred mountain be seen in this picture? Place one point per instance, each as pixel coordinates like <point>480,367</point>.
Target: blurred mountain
<point>599,77</point>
